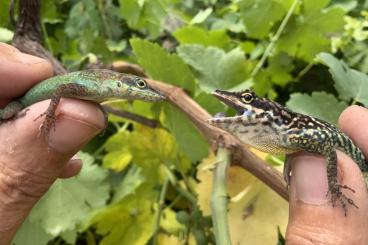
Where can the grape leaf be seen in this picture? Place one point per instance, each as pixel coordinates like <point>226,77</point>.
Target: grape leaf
<point>260,15</point>
<point>145,16</point>
<point>156,146</point>
<point>320,104</point>
<point>313,23</point>
<point>191,142</point>
<point>130,221</point>
<point>4,14</point>
<point>118,155</point>
<point>197,35</point>
<point>349,83</point>
<point>169,223</point>
<point>210,103</point>
<point>50,14</point>
<point>69,202</point>
<point>83,16</point>
<point>31,233</point>
<point>230,21</point>
<point>217,69</point>
<point>162,66</point>
<point>130,218</point>
<point>132,180</point>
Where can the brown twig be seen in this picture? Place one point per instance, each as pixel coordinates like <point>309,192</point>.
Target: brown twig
<point>131,116</point>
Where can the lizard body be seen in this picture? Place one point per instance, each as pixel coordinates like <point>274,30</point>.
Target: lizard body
<point>94,85</point>
<point>272,128</point>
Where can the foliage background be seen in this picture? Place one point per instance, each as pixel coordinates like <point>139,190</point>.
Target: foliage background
<point>141,185</point>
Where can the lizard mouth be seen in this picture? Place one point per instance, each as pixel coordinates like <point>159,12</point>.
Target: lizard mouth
<point>231,101</point>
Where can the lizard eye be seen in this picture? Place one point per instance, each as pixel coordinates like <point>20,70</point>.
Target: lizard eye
<point>247,97</point>
<point>119,84</point>
<point>140,83</point>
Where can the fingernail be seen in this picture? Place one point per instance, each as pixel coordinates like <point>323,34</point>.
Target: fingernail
<point>310,178</point>
<point>70,134</point>
<point>75,157</point>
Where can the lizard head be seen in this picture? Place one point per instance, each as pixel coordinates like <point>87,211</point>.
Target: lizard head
<point>248,106</point>
<point>133,87</point>
<point>245,102</point>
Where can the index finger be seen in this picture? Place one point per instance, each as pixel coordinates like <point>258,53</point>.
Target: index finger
<point>19,71</point>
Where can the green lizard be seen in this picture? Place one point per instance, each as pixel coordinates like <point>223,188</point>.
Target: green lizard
<point>93,85</point>
<point>272,128</point>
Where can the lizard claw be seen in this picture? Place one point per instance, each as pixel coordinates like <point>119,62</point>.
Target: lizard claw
<point>337,195</point>
<point>47,125</point>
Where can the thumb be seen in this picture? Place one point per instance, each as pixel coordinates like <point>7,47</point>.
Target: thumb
<point>29,163</point>
<point>313,219</point>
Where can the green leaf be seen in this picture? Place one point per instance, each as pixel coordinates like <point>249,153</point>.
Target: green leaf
<point>349,83</point>
<point>210,103</point>
<point>129,221</point>
<point>314,23</point>
<point>130,11</point>
<point>50,14</point>
<point>201,16</point>
<point>157,146</point>
<point>217,69</point>
<point>132,180</point>
<point>277,72</point>
<point>83,15</point>
<point>259,16</point>
<point>130,218</point>
<point>4,14</point>
<point>118,154</point>
<point>191,142</point>
<point>230,21</point>
<point>146,16</point>
<point>117,160</point>
<point>69,202</point>
<point>197,35</point>
<point>31,233</point>
<point>162,66</point>
<point>320,105</point>
<point>169,223</point>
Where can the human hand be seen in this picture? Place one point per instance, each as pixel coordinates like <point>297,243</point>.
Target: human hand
<point>313,219</point>
<point>29,164</point>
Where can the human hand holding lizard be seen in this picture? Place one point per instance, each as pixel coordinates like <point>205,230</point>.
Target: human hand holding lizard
<point>312,219</point>
<point>28,163</point>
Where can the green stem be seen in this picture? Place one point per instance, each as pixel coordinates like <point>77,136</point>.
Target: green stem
<point>305,70</point>
<point>274,39</point>
<point>161,204</point>
<point>219,198</point>
<point>187,195</point>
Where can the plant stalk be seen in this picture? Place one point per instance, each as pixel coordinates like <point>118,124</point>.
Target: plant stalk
<point>219,198</point>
